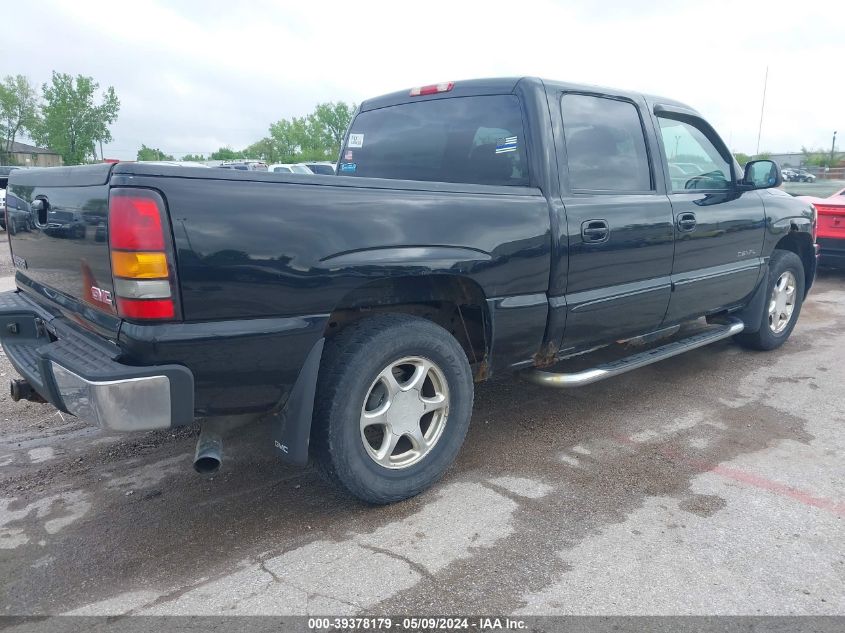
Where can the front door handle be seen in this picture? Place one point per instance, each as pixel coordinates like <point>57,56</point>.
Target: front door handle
<point>595,231</point>
<point>686,222</point>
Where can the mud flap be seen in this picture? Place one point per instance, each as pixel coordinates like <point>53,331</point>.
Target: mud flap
<point>292,425</point>
<point>752,313</point>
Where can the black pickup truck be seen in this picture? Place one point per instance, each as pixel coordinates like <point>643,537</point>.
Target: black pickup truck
<point>474,228</point>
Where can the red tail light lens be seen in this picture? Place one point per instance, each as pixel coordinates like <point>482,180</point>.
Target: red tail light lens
<point>142,267</point>
<point>146,308</point>
<point>135,221</point>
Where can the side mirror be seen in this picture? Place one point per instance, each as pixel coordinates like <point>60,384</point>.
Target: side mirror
<point>762,174</point>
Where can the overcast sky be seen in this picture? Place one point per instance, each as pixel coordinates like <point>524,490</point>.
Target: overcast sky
<point>195,75</point>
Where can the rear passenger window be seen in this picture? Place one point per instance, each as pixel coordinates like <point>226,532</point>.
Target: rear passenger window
<point>461,139</point>
<point>605,145</point>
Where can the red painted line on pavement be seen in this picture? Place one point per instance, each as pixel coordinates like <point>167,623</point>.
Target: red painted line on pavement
<point>798,495</point>
<point>742,476</point>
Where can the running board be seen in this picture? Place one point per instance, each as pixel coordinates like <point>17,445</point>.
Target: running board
<point>730,327</point>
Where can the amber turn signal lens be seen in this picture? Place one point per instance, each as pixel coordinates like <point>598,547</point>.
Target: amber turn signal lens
<point>139,265</point>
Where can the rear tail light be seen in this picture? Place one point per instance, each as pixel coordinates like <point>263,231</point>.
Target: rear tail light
<point>432,89</point>
<point>141,264</point>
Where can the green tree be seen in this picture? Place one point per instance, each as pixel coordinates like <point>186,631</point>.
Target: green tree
<point>741,158</point>
<point>152,153</point>
<point>820,157</point>
<point>316,136</point>
<point>327,126</point>
<point>73,122</point>
<point>226,153</point>
<point>289,139</point>
<point>194,158</point>
<point>263,150</point>
<point>19,110</point>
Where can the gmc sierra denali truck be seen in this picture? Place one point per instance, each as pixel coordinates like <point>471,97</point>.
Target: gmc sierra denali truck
<point>474,228</point>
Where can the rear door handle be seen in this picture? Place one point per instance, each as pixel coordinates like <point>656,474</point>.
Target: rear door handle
<point>595,231</point>
<point>686,222</point>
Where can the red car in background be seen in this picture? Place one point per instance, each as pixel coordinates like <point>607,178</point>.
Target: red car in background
<point>830,234</point>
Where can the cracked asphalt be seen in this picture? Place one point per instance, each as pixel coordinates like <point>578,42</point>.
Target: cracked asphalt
<point>711,483</point>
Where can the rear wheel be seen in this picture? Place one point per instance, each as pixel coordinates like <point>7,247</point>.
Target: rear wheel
<point>785,296</point>
<point>394,400</point>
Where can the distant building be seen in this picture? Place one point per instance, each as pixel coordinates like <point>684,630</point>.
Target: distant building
<point>30,156</point>
<point>792,159</point>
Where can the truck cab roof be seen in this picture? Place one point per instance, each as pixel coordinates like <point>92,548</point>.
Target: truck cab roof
<point>508,85</point>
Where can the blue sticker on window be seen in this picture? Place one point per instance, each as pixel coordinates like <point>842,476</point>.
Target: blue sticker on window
<point>348,168</point>
<point>506,145</point>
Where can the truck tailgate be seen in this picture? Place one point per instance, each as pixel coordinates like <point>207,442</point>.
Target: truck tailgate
<point>831,220</point>
<point>60,252</point>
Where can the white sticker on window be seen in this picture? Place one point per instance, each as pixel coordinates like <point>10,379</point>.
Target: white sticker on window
<point>355,140</point>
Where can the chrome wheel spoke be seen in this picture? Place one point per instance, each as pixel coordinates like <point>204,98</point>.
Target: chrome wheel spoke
<point>434,403</point>
<point>388,445</point>
<point>417,379</point>
<point>418,440</point>
<point>375,418</point>
<point>390,382</point>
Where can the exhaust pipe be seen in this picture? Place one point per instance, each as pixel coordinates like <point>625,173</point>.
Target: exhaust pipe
<point>209,455</point>
<point>20,389</point>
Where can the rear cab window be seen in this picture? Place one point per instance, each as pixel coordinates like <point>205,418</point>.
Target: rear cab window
<point>477,140</point>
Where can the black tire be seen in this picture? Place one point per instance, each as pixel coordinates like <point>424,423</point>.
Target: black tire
<point>352,361</point>
<point>765,338</point>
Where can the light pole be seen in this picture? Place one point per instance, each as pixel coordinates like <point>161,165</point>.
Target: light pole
<point>832,149</point>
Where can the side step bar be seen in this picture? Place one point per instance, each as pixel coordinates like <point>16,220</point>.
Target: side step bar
<point>731,326</point>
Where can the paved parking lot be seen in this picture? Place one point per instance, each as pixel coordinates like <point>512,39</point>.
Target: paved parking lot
<point>709,483</point>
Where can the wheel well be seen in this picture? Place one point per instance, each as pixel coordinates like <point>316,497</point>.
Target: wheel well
<point>455,303</point>
<point>801,244</point>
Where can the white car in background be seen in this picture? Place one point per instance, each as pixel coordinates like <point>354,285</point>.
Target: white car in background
<point>289,168</point>
<point>322,167</point>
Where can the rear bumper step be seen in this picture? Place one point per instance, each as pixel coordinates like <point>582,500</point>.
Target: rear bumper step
<point>730,327</point>
<point>79,373</point>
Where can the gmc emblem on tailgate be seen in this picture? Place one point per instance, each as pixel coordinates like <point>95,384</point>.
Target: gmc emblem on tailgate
<point>103,296</point>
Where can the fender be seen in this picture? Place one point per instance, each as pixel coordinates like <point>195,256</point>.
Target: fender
<point>292,425</point>
<point>783,226</point>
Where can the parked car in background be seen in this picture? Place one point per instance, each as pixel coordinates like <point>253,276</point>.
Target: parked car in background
<point>800,175</point>
<point>3,206</point>
<point>15,216</point>
<point>69,224</point>
<point>290,168</point>
<point>323,168</point>
<point>245,165</point>
<point>830,234</point>
<point>175,163</point>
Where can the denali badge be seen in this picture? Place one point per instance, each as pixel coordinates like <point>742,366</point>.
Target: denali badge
<point>103,296</point>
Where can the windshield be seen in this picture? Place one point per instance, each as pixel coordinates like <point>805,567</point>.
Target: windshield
<point>301,169</point>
